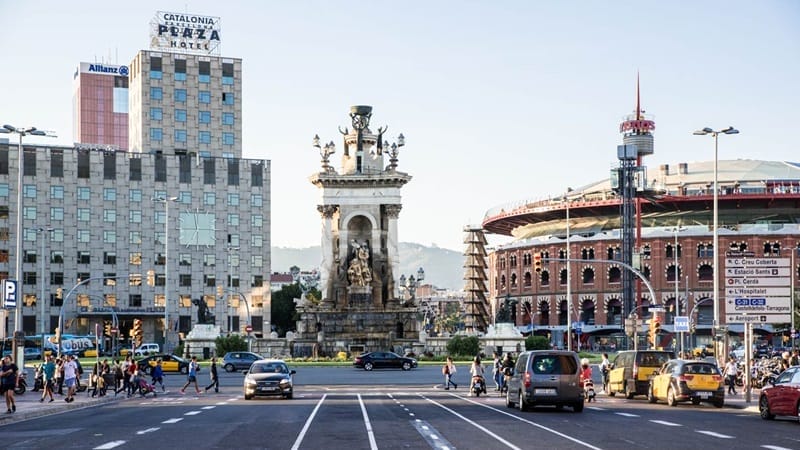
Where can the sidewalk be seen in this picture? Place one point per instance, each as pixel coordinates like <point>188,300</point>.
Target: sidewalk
<point>29,406</point>
<point>738,401</point>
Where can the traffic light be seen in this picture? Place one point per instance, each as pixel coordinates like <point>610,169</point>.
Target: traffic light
<point>537,263</point>
<point>60,293</point>
<point>107,328</point>
<point>151,277</point>
<point>137,332</point>
<point>57,335</point>
<point>655,328</point>
<point>219,291</point>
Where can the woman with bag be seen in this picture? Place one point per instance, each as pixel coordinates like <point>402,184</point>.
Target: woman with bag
<point>448,370</point>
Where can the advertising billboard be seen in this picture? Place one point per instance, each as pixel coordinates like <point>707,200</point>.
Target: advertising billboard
<point>185,33</point>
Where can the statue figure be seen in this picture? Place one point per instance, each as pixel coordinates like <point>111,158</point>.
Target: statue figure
<point>358,272</point>
<point>202,310</point>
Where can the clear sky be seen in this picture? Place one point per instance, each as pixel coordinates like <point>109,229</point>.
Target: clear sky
<point>499,101</point>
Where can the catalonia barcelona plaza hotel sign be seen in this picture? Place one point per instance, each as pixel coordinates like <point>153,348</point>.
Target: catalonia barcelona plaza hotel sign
<point>185,33</point>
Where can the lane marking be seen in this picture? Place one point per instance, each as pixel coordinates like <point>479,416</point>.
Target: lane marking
<point>108,445</point>
<point>431,435</point>
<point>233,399</point>
<point>474,424</point>
<point>595,408</point>
<point>149,430</point>
<point>208,407</point>
<point>714,434</point>
<point>626,414</point>
<point>173,420</point>
<point>372,444</point>
<point>303,432</point>
<point>774,447</point>
<point>222,403</point>
<point>192,413</point>
<point>664,422</point>
<point>541,427</point>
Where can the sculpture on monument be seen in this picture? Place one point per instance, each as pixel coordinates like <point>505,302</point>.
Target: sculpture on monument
<point>359,272</point>
<point>203,315</point>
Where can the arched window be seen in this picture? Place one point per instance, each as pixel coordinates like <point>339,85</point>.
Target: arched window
<point>513,280</point>
<point>587,312</point>
<point>544,313</point>
<point>705,272</point>
<point>562,277</point>
<point>646,272</point>
<point>528,279</point>
<point>588,275</point>
<point>562,313</point>
<point>502,281</point>
<point>672,271</point>
<point>646,251</point>
<point>545,278</point>
<point>614,275</point>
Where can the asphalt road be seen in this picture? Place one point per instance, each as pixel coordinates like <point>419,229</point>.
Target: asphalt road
<point>354,409</point>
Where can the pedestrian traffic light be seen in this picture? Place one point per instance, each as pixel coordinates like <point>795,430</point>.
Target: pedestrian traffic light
<point>151,277</point>
<point>137,332</point>
<point>537,263</point>
<point>107,328</point>
<point>60,293</point>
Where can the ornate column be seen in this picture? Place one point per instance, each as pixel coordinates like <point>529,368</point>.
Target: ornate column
<point>393,252</point>
<point>327,264</point>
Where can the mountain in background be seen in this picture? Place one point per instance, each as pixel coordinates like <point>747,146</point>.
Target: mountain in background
<point>443,267</point>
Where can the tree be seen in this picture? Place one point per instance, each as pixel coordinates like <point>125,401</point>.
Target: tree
<point>537,343</point>
<point>284,314</point>
<point>464,346</point>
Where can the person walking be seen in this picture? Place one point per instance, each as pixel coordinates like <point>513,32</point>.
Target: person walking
<point>192,377</point>
<point>59,380</point>
<point>605,368</point>
<point>158,375</point>
<point>507,371</point>
<point>213,374</point>
<point>476,371</point>
<point>48,378</point>
<point>497,372</point>
<point>731,370</point>
<point>9,378</point>
<point>70,375</point>
<point>448,370</point>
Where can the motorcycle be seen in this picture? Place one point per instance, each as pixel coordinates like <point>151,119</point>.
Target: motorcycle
<point>22,384</point>
<point>588,390</point>
<point>37,379</point>
<point>478,385</point>
<point>507,373</point>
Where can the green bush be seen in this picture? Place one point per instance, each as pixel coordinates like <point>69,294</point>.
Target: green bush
<point>178,350</point>
<point>232,343</point>
<point>463,346</point>
<point>537,343</point>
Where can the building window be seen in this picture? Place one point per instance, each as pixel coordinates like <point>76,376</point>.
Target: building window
<point>209,261</point>
<point>56,192</point>
<point>57,163</point>
<point>256,240</point>
<point>135,216</point>
<point>209,175</point>
<point>84,236</point>
<point>204,137</point>
<point>180,136</point>
<point>614,275</point>
<point>233,172</point>
<point>135,195</point>
<point>233,199</point>
<point>109,236</point>
<point>227,98</point>
<point>705,272</point>
<point>180,115</point>
<point>204,117</point>
<point>227,118</point>
<point>209,198</point>
<point>160,168</point>
<point>256,200</point>
<point>256,175</point>
<point>109,258</point>
<point>135,237</point>
<point>185,259</point>
<point>233,220</point>
<point>180,70</point>
<point>135,169</point>
<point>257,281</point>
<point>227,73</point>
<point>109,215</point>
<point>588,275</point>
<point>204,72</point>
<point>156,93</point>
<point>29,213</point>
<point>83,214</point>
<point>227,139</point>
<point>135,300</point>
<point>257,261</point>
<point>155,134</point>
<point>135,258</point>
<point>257,220</point>
<point>209,280</point>
<point>180,95</point>
<point>110,194</point>
<point>84,162</point>
<point>185,280</point>
<point>84,257</point>
<point>155,67</point>
<point>204,97</point>
<point>156,114</point>
<point>56,214</point>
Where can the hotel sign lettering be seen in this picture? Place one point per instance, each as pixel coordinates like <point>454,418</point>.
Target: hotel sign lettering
<point>185,33</point>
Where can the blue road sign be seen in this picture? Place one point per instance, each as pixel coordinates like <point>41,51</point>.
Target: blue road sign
<point>681,324</point>
<point>9,289</point>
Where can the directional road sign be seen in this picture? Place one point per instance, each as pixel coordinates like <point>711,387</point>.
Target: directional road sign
<point>757,289</point>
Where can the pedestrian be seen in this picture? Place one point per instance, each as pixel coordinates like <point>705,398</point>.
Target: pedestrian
<point>448,370</point>
<point>192,377</point>
<point>9,378</point>
<point>48,377</point>
<point>133,378</point>
<point>497,373</point>
<point>605,369</point>
<point>79,372</point>
<point>158,375</point>
<point>795,359</point>
<point>119,377</point>
<point>507,371</point>
<point>476,371</point>
<point>213,374</point>
<point>731,369</point>
<point>70,375</point>
<point>60,375</point>
<point>785,361</point>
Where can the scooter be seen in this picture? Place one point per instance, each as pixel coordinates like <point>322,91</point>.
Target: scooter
<point>588,390</point>
<point>478,385</point>
<point>37,379</point>
<point>22,385</point>
<point>507,373</point>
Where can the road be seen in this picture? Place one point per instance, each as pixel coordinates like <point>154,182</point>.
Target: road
<point>390,410</point>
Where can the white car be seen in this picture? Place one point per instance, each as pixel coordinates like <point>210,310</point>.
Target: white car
<point>147,349</point>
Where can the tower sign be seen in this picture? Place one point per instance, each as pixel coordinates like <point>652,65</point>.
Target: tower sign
<point>185,33</point>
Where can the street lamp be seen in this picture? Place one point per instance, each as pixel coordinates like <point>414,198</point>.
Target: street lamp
<point>569,279</point>
<point>42,231</point>
<point>19,355</point>
<point>166,200</point>
<point>411,284</point>
<point>677,280</point>
<point>715,135</point>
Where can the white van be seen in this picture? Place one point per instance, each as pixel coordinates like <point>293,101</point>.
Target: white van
<point>147,349</point>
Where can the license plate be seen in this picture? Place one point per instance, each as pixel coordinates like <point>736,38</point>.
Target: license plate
<point>268,389</point>
<point>545,391</point>
<point>704,395</point>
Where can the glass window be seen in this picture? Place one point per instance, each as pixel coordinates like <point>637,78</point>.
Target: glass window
<point>55,192</point>
<point>256,240</point>
<point>109,215</point>
<point>155,134</point>
<point>84,194</point>
<point>257,220</point>
<point>56,213</point>
<point>160,217</point>
<point>204,71</point>
<point>204,78</point>
<point>227,73</point>
<point>204,137</point>
<point>180,115</point>
<point>135,216</point>
<point>3,189</point>
<point>204,97</point>
<point>29,191</point>
<point>205,117</point>
<point>110,194</point>
<point>256,200</point>
<point>180,95</point>
<point>233,220</point>
<point>135,195</point>
<point>84,236</point>
<point>185,259</point>
<point>227,80</point>
<point>227,118</point>
<point>135,237</point>
<point>156,114</point>
<point>233,199</point>
<point>29,212</point>
<point>257,261</point>
<point>209,198</point>
<point>209,261</point>
<point>227,98</point>
<point>84,214</point>
<point>180,76</point>
<point>156,74</point>
<point>227,138</point>
<point>185,197</point>
<point>155,67</point>
<point>156,93</point>
<point>109,236</point>
<point>180,135</point>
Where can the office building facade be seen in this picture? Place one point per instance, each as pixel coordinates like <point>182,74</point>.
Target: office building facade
<point>100,105</point>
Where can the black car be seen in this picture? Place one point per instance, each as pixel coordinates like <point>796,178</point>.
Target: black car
<point>268,377</point>
<point>384,360</point>
<point>233,361</point>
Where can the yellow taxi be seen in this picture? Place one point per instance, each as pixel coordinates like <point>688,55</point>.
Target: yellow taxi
<point>632,369</point>
<point>169,363</point>
<point>681,380</point>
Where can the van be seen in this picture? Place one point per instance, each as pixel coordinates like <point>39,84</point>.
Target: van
<point>546,377</point>
<point>146,349</point>
<point>631,371</point>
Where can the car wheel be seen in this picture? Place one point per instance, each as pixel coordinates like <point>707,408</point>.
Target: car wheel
<point>406,366</point>
<point>718,403</point>
<point>290,395</point>
<point>229,368</point>
<point>577,407</point>
<point>184,370</point>
<point>763,408</point>
<point>522,404</point>
<point>628,395</point>
<point>671,400</point>
<point>650,397</point>
<point>509,402</point>
<point>695,401</point>
<point>248,397</point>
<point>611,393</point>
<point>368,366</point>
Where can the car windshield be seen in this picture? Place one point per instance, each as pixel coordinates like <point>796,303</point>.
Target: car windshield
<point>269,368</point>
<point>700,369</point>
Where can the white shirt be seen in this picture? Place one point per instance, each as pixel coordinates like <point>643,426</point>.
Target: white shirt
<point>70,370</point>
<point>731,369</point>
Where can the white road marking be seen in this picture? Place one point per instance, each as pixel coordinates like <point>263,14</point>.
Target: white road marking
<point>303,432</point>
<point>474,424</point>
<point>192,413</point>
<point>108,445</point>
<point>149,430</point>
<point>595,408</point>
<point>430,434</point>
<point>233,399</point>
<point>541,427</point>
<point>222,403</point>
<point>208,407</point>
<point>372,444</point>
<point>626,414</point>
<point>664,422</point>
<point>774,447</point>
<point>173,420</point>
<point>713,434</point>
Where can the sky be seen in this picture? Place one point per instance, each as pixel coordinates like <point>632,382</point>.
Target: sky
<point>499,101</point>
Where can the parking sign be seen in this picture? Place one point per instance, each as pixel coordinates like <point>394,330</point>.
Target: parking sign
<point>9,294</point>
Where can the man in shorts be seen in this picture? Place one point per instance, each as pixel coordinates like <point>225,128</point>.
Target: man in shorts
<point>9,377</point>
<point>70,378</point>
<point>192,376</point>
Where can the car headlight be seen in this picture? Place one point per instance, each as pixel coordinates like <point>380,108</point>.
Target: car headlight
<point>286,382</point>
<point>250,382</point>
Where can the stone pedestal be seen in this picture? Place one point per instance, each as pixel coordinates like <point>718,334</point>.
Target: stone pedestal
<point>502,337</point>
<point>200,341</point>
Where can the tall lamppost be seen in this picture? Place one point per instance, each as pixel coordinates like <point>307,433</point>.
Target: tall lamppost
<point>715,135</point>
<point>18,355</point>
<point>41,231</point>
<point>166,200</point>
<point>677,281</point>
<point>231,251</point>
<point>569,279</point>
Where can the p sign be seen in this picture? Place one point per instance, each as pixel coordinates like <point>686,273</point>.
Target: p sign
<point>9,294</point>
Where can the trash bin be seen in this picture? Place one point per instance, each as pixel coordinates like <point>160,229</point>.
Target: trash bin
<point>206,352</point>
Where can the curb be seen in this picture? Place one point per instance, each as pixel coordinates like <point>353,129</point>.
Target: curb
<point>46,409</point>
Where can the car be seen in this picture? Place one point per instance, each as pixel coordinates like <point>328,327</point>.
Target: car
<point>384,360</point>
<point>146,349</point>
<point>169,363</point>
<point>546,377</point>
<point>681,380</point>
<point>269,377</point>
<point>233,361</point>
<point>32,353</point>
<point>782,396</point>
<point>631,371</point>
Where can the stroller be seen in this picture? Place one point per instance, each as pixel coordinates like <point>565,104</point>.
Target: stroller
<point>588,390</point>
<point>146,388</point>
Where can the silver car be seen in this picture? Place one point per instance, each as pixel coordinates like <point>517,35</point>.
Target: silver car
<point>269,377</point>
<point>546,377</point>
